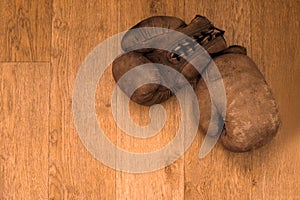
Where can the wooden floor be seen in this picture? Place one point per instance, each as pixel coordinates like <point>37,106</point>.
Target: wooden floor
<point>43,44</point>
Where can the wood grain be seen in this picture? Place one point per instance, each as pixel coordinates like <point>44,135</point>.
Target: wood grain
<point>24,90</point>
<point>25,30</point>
<point>73,172</point>
<point>41,155</point>
<point>167,183</point>
<point>274,50</point>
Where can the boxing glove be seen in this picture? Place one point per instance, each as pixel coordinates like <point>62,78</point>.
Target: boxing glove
<point>200,29</point>
<point>251,115</point>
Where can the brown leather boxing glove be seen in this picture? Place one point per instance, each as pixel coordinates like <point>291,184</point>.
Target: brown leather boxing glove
<point>252,117</point>
<point>200,29</point>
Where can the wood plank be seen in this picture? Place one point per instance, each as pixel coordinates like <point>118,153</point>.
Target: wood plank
<point>222,174</point>
<point>274,38</point>
<point>25,30</point>
<point>41,155</point>
<point>78,26</point>
<point>24,110</point>
<point>166,183</point>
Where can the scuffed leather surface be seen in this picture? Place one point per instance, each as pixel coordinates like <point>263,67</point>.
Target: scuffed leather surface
<point>200,29</point>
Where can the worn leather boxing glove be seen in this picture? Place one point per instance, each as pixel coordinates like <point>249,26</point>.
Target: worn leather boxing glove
<point>200,29</point>
<point>252,117</point>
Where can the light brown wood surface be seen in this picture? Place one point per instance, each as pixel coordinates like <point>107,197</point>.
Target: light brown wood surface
<point>43,44</point>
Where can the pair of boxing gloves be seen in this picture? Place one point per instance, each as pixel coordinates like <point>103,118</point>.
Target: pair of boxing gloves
<point>252,118</point>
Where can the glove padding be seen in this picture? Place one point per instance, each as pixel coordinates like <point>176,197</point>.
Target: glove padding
<point>200,29</point>
<point>252,117</point>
